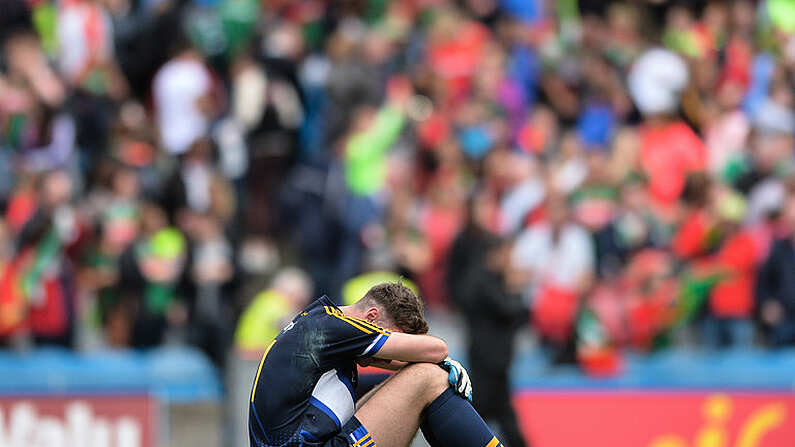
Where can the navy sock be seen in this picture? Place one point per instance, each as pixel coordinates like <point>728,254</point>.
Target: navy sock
<point>450,421</point>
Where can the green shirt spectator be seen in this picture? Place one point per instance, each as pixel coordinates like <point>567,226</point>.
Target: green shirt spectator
<point>261,321</point>
<point>272,309</point>
<point>365,153</point>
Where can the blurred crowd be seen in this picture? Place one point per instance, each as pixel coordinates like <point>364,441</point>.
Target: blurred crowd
<point>614,174</point>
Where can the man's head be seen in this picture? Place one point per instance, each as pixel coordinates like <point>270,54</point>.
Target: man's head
<point>393,306</point>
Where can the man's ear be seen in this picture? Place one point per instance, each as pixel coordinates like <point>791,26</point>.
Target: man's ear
<point>372,314</point>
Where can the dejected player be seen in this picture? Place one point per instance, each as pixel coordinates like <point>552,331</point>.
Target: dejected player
<point>303,393</point>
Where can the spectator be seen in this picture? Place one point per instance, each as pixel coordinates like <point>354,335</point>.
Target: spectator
<point>775,286</point>
<point>556,256</point>
<point>477,278</point>
<point>119,213</point>
<point>182,91</point>
<point>272,309</point>
<point>371,134</point>
<point>88,64</point>
<point>197,186</point>
<point>152,285</point>
<point>210,273</point>
<point>38,283</point>
<point>732,299</point>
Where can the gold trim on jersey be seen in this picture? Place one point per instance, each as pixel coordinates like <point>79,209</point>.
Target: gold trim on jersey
<point>366,323</point>
<point>259,370</point>
<point>335,313</point>
<point>366,441</point>
<point>363,325</point>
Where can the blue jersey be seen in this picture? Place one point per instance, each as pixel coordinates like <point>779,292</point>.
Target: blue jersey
<point>304,387</point>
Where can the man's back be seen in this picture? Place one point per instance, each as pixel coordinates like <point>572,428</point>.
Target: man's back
<point>304,386</point>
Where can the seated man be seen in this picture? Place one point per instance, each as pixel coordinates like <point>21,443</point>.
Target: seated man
<point>304,387</point>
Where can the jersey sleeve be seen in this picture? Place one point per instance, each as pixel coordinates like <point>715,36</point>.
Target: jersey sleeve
<point>351,337</point>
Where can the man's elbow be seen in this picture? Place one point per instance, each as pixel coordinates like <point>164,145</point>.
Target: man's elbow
<point>439,351</point>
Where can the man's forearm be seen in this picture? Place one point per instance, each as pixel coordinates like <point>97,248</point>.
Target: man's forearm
<point>391,365</point>
<point>413,348</point>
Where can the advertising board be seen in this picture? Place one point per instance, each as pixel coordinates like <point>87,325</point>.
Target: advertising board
<point>78,421</point>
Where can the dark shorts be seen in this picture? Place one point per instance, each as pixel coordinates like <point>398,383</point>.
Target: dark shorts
<point>352,433</point>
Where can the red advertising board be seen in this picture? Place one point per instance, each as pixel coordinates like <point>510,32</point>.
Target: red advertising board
<point>657,419</point>
<point>84,421</point>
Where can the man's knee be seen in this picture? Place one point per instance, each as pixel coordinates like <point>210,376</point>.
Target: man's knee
<point>429,375</point>
<point>429,370</point>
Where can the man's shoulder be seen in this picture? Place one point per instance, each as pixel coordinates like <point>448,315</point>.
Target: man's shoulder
<point>318,306</point>
<point>319,312</point>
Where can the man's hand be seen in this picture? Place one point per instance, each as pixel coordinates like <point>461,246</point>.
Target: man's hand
<point>458,378</point>
<point>391,365</point>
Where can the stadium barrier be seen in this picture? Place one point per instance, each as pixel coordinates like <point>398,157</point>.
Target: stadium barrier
<point>56,398</point>
<point>657,418</point>
<point>172,397</point>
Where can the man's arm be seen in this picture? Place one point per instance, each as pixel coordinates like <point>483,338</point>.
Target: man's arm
<point>426,349</point>
<point>413,348</point>
<point>389,365</point>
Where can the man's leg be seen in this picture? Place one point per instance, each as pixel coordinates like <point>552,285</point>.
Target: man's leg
<point>393,413</point>
<point>368,382</point>
<point>362,400</point>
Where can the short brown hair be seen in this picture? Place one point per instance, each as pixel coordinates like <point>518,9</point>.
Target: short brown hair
<point>402,306</point>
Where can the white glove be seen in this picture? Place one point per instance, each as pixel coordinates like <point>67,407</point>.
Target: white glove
<point>458,378</point>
